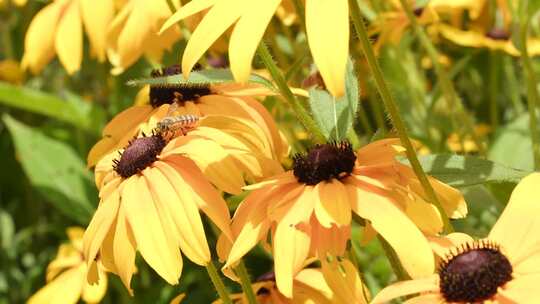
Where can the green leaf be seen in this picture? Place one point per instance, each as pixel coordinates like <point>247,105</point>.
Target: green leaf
<point>203,77</point>
<point>512,145</point>
<point>335,117</point>
<point>74,111</point>
<point>464,171</point>
<point>55,171</point>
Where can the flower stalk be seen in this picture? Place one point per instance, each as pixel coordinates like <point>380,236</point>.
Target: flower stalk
<point>242,272</point>
<point>301,113</point>
<point>392,109</point>
<point>218,283</point>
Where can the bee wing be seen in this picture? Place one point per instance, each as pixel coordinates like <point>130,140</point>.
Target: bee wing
<point>172,108</point>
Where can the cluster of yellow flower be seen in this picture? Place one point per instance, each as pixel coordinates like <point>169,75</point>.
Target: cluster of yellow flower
<point>154,185</point>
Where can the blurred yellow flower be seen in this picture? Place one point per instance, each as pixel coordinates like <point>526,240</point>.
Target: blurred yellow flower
<point>57,29</point>
<point>327,25</point>
<point>258,151</point>
<point>150,198</point>
<point>308,210</point>
<point>66,276</point>
<point>11,71</point>
<point>468,145</point>
<point>503,268</point>
<point>133,33</point>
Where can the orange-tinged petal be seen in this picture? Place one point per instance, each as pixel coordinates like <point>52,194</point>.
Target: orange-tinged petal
<point>424,215</point>
<point>99,226</point>
<point>332,204</point>
<point>291,248</point>
<point>69,38</point>
<point>191,8</point>
<point>96,16</point>
<point>428,285</point>
<point>327,27</point>
<point>247,35</point>
<point>171,191</point>
<point>94,293</point>
<point>154,243</point>
<point>222,15</point>
<point>39,39</point>
<point>66,288</point>
<point>343,279</point>
<point>427,299</point>
<point>379,152</point>
<point>395,227</point>
<point>329,240</point>
<point>516,228</point>
<point>314,279</point>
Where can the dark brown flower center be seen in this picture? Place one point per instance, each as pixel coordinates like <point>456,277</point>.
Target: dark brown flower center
<point>418,11</point>
<point>139,154</point>
<point>474,273</point>
<point>498,34</point>
<point>324,162</point>
<point>170,93</point>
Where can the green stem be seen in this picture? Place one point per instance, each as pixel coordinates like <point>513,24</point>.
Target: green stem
<point>242,272</point>
<point>401,274</point>
<point>451,97</point>
<point>301,113</point>
<point>532,95</point>
<point>218,283</point>
<point>392,108</point>
<point>494,64</point>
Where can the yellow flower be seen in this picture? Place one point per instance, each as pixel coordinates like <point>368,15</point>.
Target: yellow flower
<point>327,25</point>
<point>254,132</point>
<point>10,71</point>
<point>495,39</point>
<point>503,268</point>
<point>468,145</point>
<point>57,29</point>
<point>308,210</point>
<point>310,286</point>
<point>150,197</point>
<point>133,33</point>
<point>66,276</point>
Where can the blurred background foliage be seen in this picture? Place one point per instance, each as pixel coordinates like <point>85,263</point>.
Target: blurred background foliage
<point>49,121</point>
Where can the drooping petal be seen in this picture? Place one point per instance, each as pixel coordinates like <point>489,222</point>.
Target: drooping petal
<point>191,8</point>
<point>517,228</point>
<point>327,27</point>
<point>343,279</point>
<point>66,288</point>
<point>332,204</point>
<point>94,293</point>
<point>329,240</point>
<point>247,35</point>
<point>96,16</point>
<point>124,249</point>
<point>222,15</point>
<point>69,38</point>
<point>291,248</point>
<point>395,227</point>
<point>427,285</point>
<point>39,39</point>
<point>154,243</point>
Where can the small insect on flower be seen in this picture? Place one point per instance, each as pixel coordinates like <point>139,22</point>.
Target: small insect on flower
<point>172,126</point>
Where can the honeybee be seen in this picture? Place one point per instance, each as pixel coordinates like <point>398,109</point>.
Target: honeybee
<point>172,126</point>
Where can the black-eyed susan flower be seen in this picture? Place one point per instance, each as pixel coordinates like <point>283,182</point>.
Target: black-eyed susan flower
<point>309,287</point>
<point>327,25</point>
<point>253,132</point>
<point>503,268</point>
<point>66,276</point>
<point>133,33</point>
<point>150,198</point>
<point>58,29</point>
<point>308,210</point>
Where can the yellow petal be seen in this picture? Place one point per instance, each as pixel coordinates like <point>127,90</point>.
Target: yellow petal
<point>314,279</point>
<point>523,289</point>
<point>327,26</point>
<point>191,8</point>
<point>222,15</point>
<point>441,245</point>
<point>69,38</point>
<point>99,226</point>
<point>424,215</point>
<point>96,16</point>
<point>154,243</point>
<point>124,249</point>
<point>172,192</point>
<point>429,284</point>
<point>343,279</point>
<point>519,224</point>
<point>291,248</point>
<point>39,39</point>
<point>427,299</point>
<point>64,289</point>
<point>395,227</point>
<point>247,35</point>
<point>94,293</point>
<point>332,204</point>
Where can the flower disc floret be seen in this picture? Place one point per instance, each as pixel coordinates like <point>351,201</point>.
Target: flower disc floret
<point>324,162</point>
<point>139,154</point>
<point>474,273</point>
